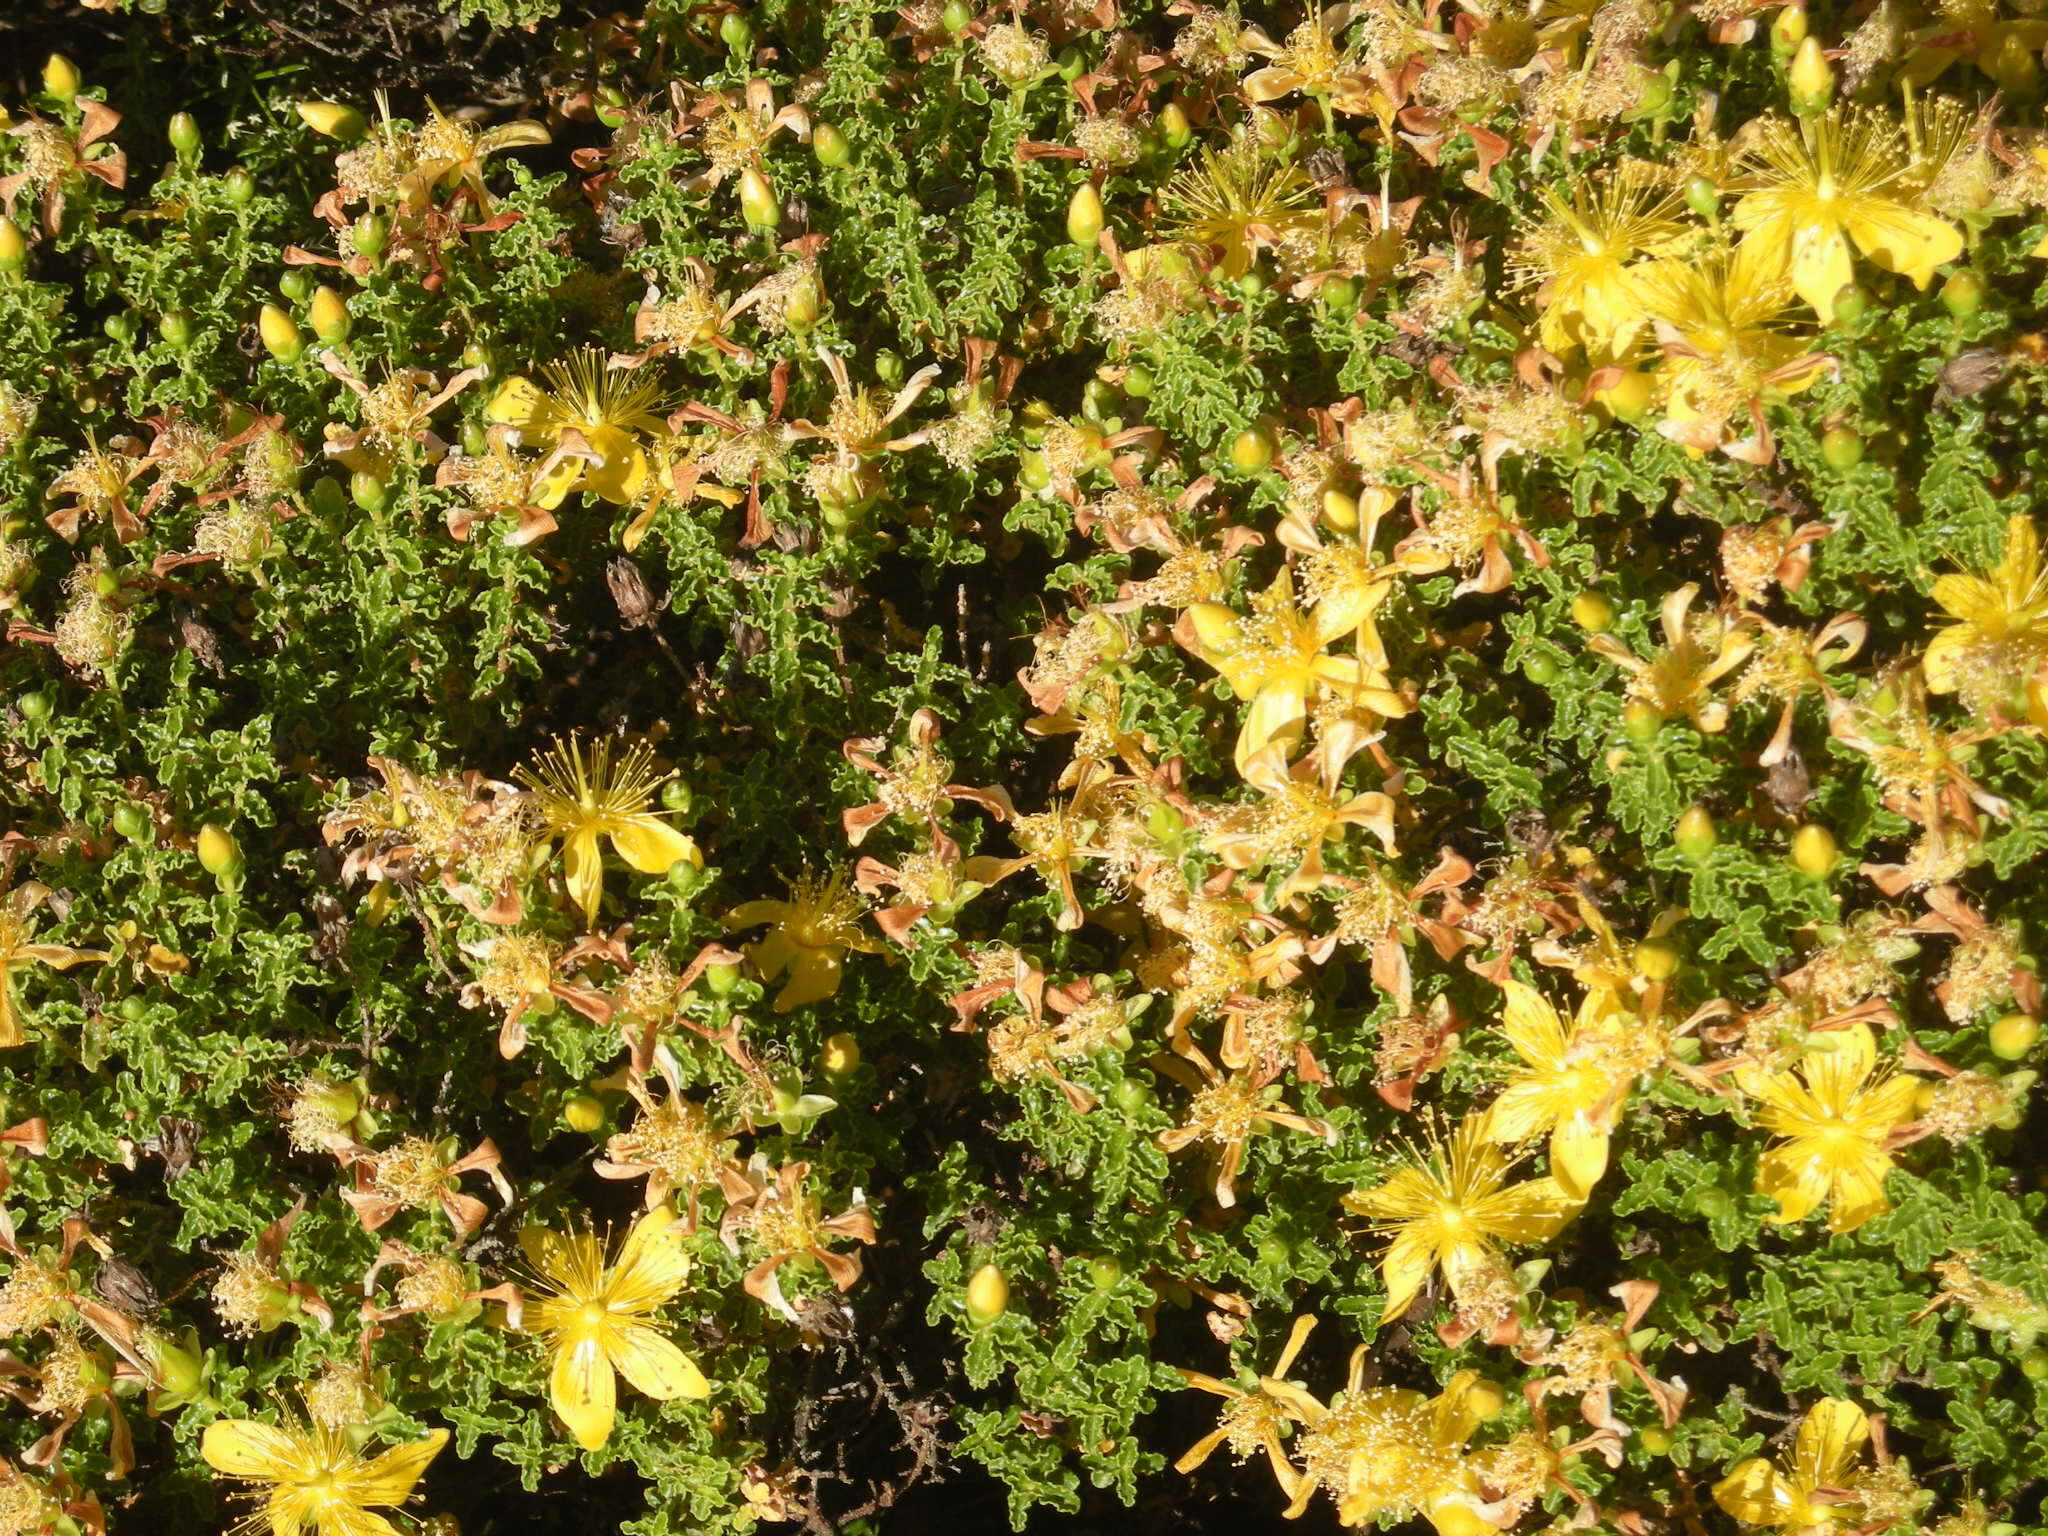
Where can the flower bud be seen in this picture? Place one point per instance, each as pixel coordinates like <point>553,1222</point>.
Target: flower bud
<point>805,304</point>
<point>179,1371</point>
<point>281,338</point>
<point>1811,79</point>
<point>1541,668</point>
<point>1656,1440</point>
<point>1963,294</point>
<point>1696,835</point>
<point>1174,126</point>
<point>368,491</point>
<point>239,187</point>
<point>957,17</point>
<point>219,854</point>
<point>61,78</point>
<point>988,1295</point>
<point>736,32</point>
<point>1486,1400</point>
<point>1788,31</point>
<point>583,1113</point>
<point>1814,851</point>
<point>1105,1273</point>
<point>1593,612</point>
<point>370,234</point>
<point>2014,1035</point>
<point>758,204</point>
<point>1084,216</point>
<point>1251,451</point>
<point>183,133</point>
<point>1703,197</point>
<point>329,314</point>
<point>1641,721</point>
<point>176,329</point>
<point>721,979</point>
<point>829,145</point>
<point>1841,448</point>
<point>1629,396</point>
<point>13,248</point>
<point>333,119</point>
<point>1657,960</point>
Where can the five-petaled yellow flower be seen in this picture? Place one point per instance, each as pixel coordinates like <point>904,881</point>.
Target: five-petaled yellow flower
<point>812,932</point>
<point>1574,1080</point>
<point>585,801</point>
<point>1585,250</point>
<point>1274,659</point>
<point>594,1319</point>
<point>593,416</point>
<point>1815,1493</point>
<point>1838,1124</point>
<point>319,1483</point>
<point>1842,178</point>
<point>1448,1211</point>
<point>2001,631</point>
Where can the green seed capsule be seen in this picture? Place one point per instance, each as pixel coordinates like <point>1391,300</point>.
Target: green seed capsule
<point>957,17</point>
<point>183,132</point>
<point>1071,64</point>
<point>1641,721</point>
<point>736,32</point>
<point>1841,448</point>
<point>1541,669</point>
<point>1963,294</point>
<point>368,491</point>
<point>176,329</point>
<point>1656,1440</point>
<point>239,187</point>
<point>830,146</point>
<point>1851,304</point>
<point>1703,197</point>
<point>721,979</point>
<point>1105,1273</point>
<point>34,705</point>
<point>370,234</point>
<point>296,285</point>
<point>132,821</point>
<point>1138,382</point>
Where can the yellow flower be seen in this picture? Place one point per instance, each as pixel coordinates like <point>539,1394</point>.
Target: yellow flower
<point>1698,652</point>
<point>1273,658</point>
<point>1251,1420</point>
<point>1575,1080</point>
<point>1580,252</point>
<point>584,802</point>
<point>593,416</point>
<point>1720,325</point>
<point>813,930</point>
<point>1847,176</point>
<point>1837,1123</point>
<point>1447,1212</point>
<point>2001,631</point>
<point>1388,1451</point>
<point>1238,202</point>
<point>1311,61</point>
<point>17,953</point>
<point>593,1320</point>
<point>319,1483</point>
<point>1808,1496</point>
<point>451,151</point>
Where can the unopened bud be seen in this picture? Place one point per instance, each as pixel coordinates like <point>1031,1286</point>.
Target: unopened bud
<point>1811,79</point>
<point>13,248</point>
<point>1216,627</point>
<point>61,78</point>
<point>1084,216</point>
<point>1788,31</point>
<point>183,133</point>
<point>333,119</point>
<point>280,335</point>
<point>329,314</point>
<point>1174,126</point>
<point>988,1294</point>
<point>758,204</point>
<point>219,854</point>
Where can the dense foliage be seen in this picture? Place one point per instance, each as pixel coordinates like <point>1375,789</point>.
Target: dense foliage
<point>809,752</point>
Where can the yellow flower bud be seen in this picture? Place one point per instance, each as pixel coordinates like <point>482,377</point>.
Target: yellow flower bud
<point>988,1294</point>
<point>280,335</point>
<point>219,854</point>
<point>1085,216</point>
<point>1811,78</point>
<point>61,77</point>
<point>1657,960</point>
<point>758,203</point>
<point>840,1056</point>
<point>1215,626</point>
<point>1340,511</point>
<point>1593,612</point>
<point>583,1113</point>
<point>13,248</point>
<point>2014,1035</point>
<point>329,314</point>
<point>1814,851</point>
<point>333,119</point>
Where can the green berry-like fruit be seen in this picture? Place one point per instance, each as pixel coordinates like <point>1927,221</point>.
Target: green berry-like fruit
<point>1841,448</point>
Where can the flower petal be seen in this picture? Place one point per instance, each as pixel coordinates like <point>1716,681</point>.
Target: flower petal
<point>651,845</point>
<point>388,1478</point>
<point>1831,1437</point>
<point>261,1452</point>
<point>652,1364</point>
<point>1756,1493</point>
<point>583,1391</point>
